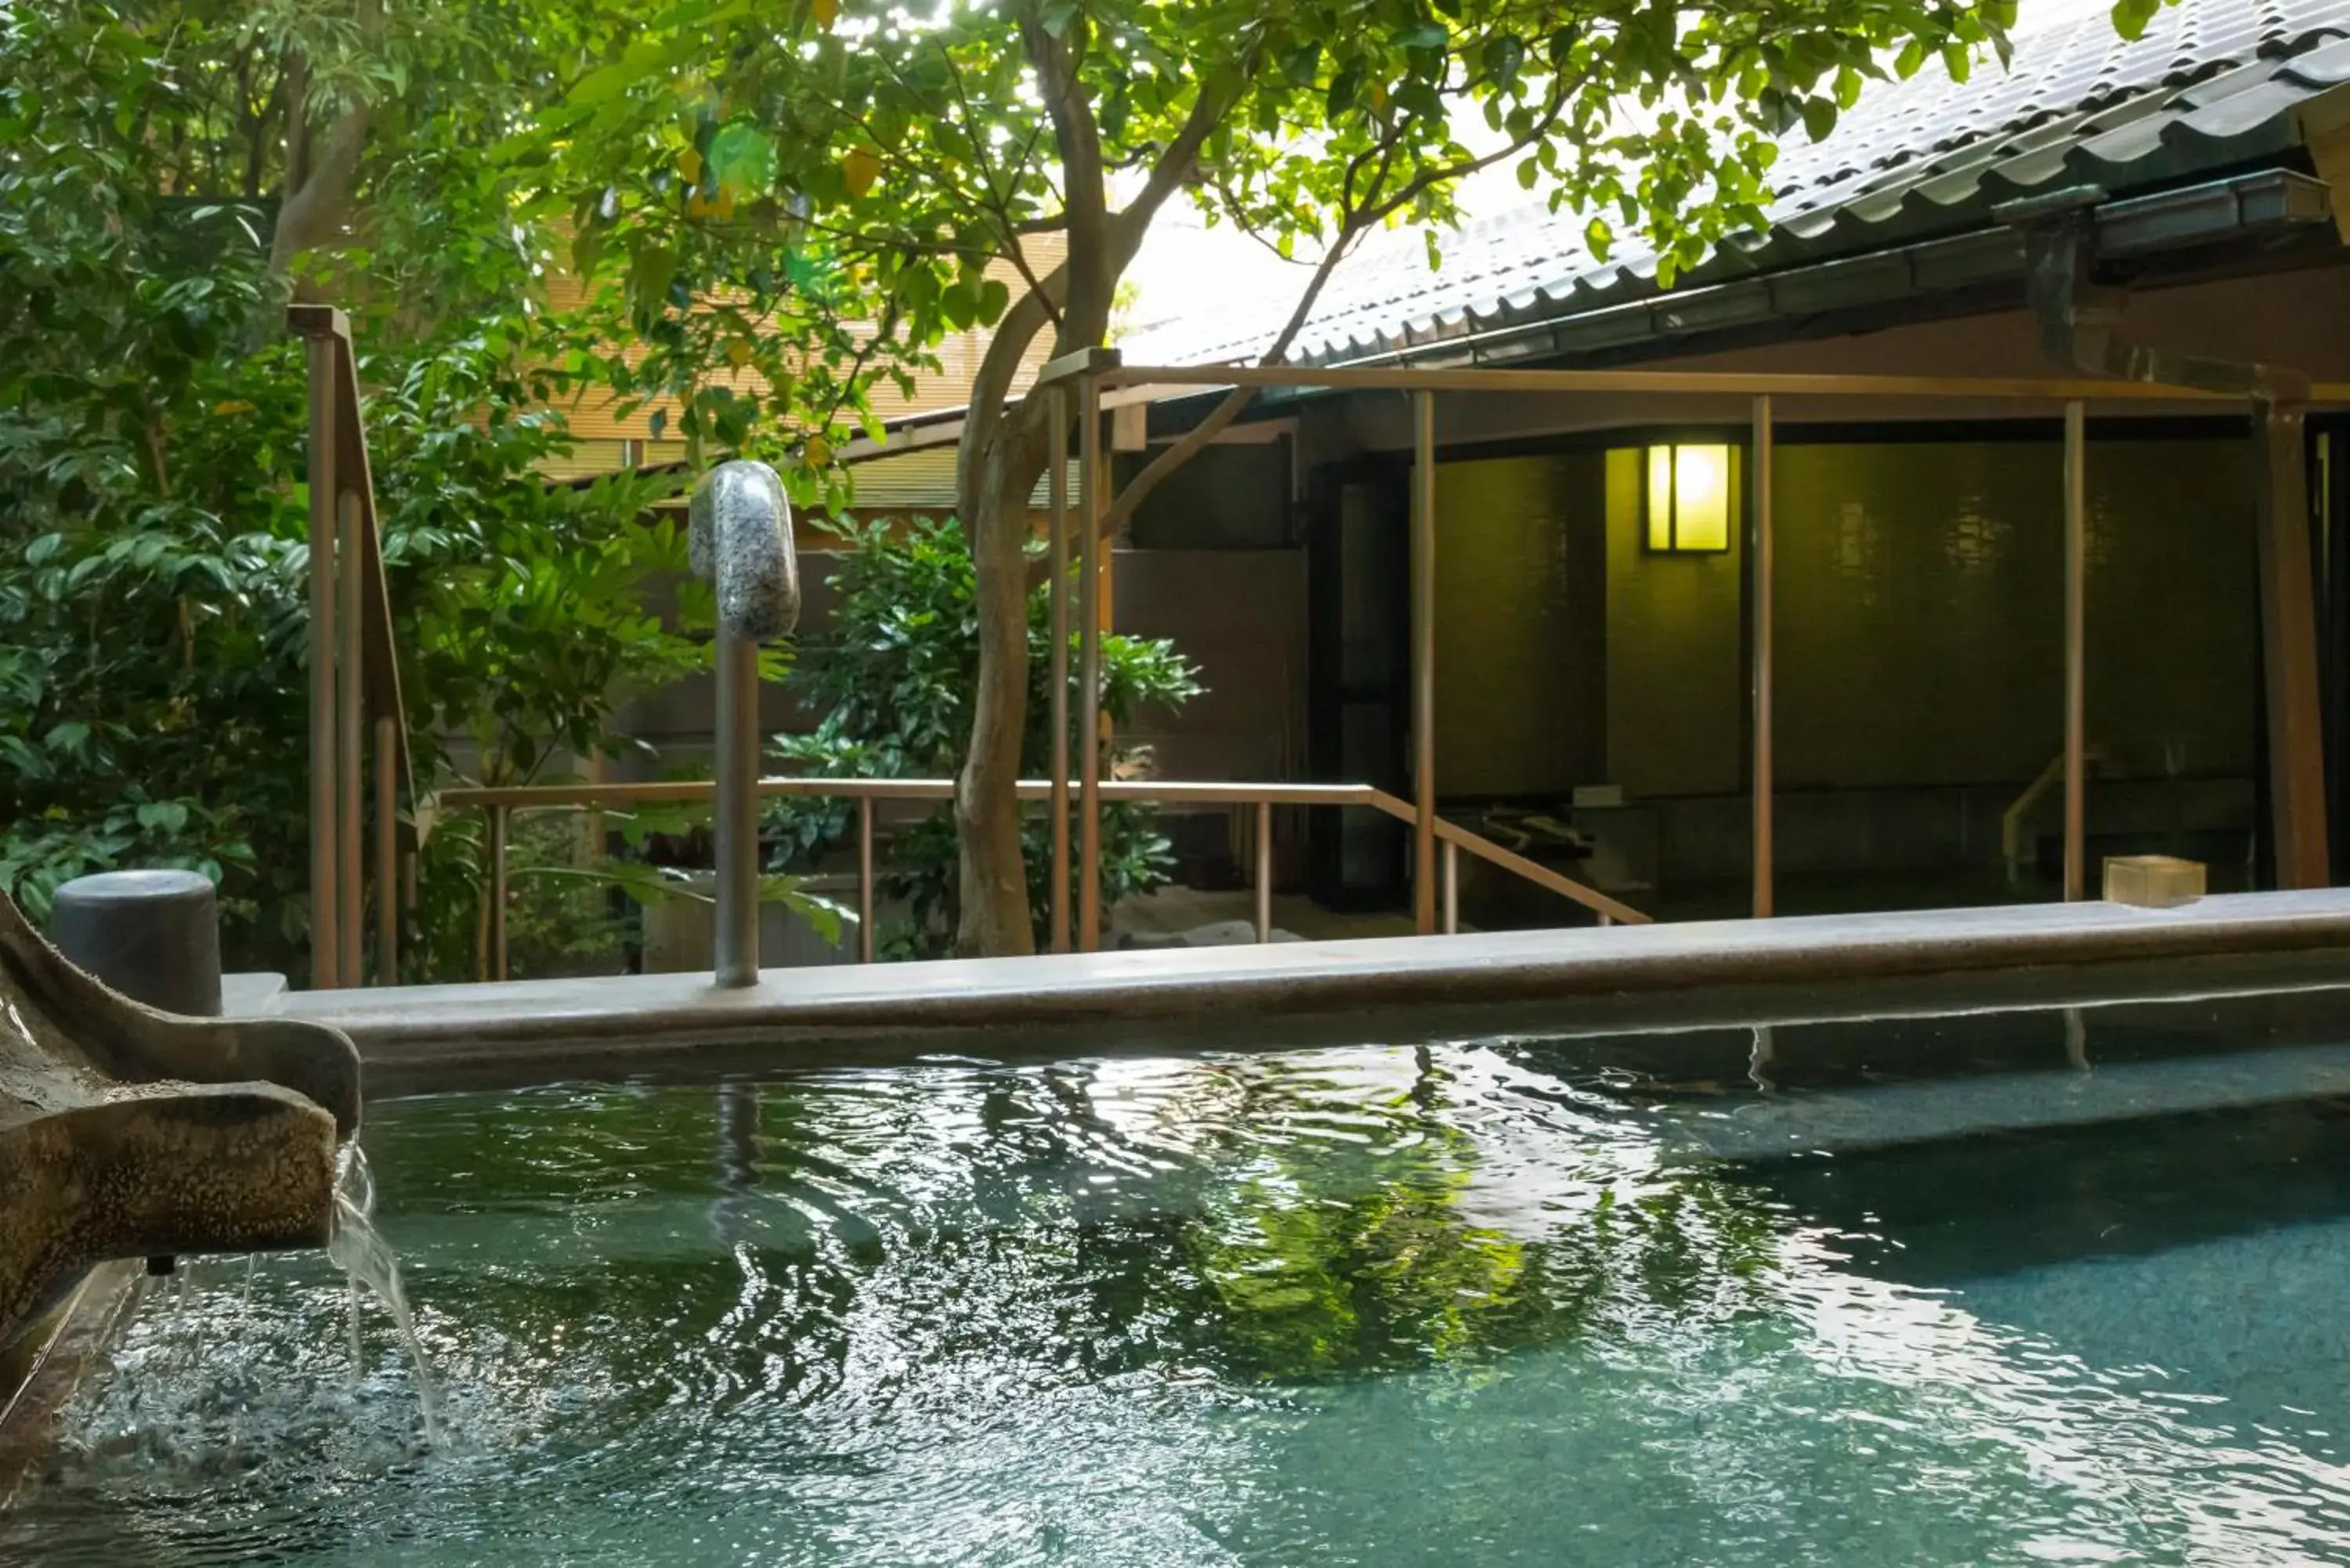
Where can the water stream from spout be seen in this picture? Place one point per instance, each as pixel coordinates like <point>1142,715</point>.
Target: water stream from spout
<point>366,1258</point>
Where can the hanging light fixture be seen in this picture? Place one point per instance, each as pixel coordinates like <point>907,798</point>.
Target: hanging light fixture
<point>1688,500</point>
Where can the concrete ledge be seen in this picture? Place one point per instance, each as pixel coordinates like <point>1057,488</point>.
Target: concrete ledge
<point>1581,982</point>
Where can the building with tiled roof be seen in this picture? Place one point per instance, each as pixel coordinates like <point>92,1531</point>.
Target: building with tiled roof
<point>1595,585</point>
<point>2212,85</point>
<point>1595,658</point>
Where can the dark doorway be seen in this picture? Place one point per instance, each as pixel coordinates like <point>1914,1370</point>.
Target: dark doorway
<point>1358,674</point>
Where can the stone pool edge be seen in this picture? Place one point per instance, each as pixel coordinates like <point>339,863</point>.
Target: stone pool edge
<point>1583,980</point>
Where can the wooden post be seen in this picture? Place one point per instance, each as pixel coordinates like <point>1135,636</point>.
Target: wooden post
<point>497,854</point>
<point>2289,647</point>
<point>2076,569</point>
<point>1423,661</point>
<point>1058,556</point>
<point>324,859</point>
<point>387,851</point>
<point>865,879</point>
<point>1090,581</point>
<point>350,728</point>
<point>1263,856</point>
<point>1760,564</point>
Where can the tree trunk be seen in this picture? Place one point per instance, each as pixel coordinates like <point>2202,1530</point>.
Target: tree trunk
<point>992,884</point>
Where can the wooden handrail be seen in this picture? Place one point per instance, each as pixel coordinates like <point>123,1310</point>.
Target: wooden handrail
<point>500,801</point>
<point>355,669</point>
<point>1510,860</point>
<point>529,797</point>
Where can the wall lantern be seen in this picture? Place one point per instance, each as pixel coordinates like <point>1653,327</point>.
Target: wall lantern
<point>1688,500</point>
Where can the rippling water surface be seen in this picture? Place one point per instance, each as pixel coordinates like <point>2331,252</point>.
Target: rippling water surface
<point>1374,1306</point>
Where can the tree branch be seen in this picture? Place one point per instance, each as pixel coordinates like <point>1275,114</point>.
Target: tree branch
<point>992,384</point>
<point>314,210</point>
<point>1129,500</point>
<point>1084,200</point>
<point>1194,441</point>
<point>1174,165</point>
<point>998,202</point>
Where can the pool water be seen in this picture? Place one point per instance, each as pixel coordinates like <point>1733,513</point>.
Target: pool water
<point>1471,1304</point>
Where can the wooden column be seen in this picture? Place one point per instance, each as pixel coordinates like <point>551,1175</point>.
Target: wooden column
<point>1423,661</point>
<point>350,742</point>
<point>325,859</point>
<point>387,851</point>
<point>1058,559</point>
<point>1089,616</point>
<point>2289,647</point>
<point>1759,563</point>
<point>2077,566</point>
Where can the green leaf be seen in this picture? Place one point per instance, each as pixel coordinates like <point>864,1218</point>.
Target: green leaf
<point>1058,16</point>
<point>1599,237</point>
<point>163,816</point>
<point>68,737</point>
<point>995,299</point>
<point>1529,170</point>
<point>1959,61</point>
<point>650,272</point>
<point>1819,118</point>
<point>1427,35</point>
<point>960,304</point>
<point>2131,18</point>
<point>1504,57</point>
<point>1912,55</point>
<point>743,156</point>
<point>1301,64</point>
<point>1345,88</point>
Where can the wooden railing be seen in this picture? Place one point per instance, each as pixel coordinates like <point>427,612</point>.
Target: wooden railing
<point>354,675</point>
<point>501,801</point>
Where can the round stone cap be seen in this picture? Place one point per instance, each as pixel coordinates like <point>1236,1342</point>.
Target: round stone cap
<point>112,887</point>
<point>153,935</point>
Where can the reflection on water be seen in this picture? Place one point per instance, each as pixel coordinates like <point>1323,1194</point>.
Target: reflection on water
<point>1382,1306</point>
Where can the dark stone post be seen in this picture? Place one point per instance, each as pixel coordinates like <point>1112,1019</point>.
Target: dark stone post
<point>155,936</point>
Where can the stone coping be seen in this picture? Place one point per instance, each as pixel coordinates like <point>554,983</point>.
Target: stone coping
<point>1582,982</point>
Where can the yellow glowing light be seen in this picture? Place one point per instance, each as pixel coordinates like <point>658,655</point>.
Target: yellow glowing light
<point>1688,499</point>
<point>1660,498</point>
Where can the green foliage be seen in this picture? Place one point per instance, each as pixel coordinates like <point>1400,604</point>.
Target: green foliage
<point>895,671</point>
<point>153,659</point>
<point>890,157</point>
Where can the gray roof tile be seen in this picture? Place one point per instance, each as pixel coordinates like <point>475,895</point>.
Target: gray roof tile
<point>2213,83</point>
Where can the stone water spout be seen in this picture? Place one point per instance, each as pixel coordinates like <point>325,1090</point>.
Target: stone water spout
<point>740,540</point>
<point>129,1132</point>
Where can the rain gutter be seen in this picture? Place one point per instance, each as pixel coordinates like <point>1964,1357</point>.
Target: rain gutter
<point>2267,204</point>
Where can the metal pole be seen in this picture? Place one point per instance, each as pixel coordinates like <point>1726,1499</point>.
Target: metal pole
<point>2076,564</point>
<point>497,892</point>
<point>1423,658</point>
<point>865,879</point>
<point>736,830</point>
<point>1263,871</point>
<point>1059,558</point>
<point>323,795</point>
<point>1765,875</point>
<point>350,778</point>
<point>1089,482</point>
<point>387,853</point>
<point>1451,888</point>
